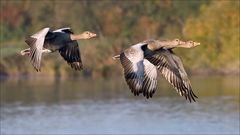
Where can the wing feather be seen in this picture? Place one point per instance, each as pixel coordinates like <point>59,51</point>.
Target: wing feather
<point>36,42</point>
<point>71,54</point>
<point>132,62</point>
<point>150,79</point>
<point>64,30</point>
<point>172,69</point>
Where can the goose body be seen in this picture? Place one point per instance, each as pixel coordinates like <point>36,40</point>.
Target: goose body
<point>57,39</point>
<point>142,61</point>
<point>62,40</point>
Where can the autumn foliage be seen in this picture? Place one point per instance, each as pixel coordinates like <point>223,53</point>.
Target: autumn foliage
<point>120,24</point>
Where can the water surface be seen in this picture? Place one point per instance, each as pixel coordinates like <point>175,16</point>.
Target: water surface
<point>84,106</point>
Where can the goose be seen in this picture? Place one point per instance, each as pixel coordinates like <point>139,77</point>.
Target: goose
<point>141,61</point>
<point>62,40</point>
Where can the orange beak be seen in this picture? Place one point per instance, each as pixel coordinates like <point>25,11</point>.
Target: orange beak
<point>196,43</point>
<point>94,35</point>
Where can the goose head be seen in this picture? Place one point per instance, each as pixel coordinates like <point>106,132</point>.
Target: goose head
<point>191,44</point>
<point>88,35</point>
<point>176,42</point>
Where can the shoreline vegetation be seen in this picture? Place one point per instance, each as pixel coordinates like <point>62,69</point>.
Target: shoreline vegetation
<point>88,73</point>
<point>215,24</point>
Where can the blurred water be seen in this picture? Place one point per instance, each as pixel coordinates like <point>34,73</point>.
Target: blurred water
<point>77,106</point>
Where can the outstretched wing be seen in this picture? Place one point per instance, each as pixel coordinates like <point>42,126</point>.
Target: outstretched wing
<point>72,55</point>
<point>172,69</point>
<point>150,79</point>
<point>36,42</point>
<point>132,62</point>
<point>64,30</point>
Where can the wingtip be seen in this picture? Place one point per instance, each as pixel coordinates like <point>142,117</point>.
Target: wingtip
<point>76,65</point>
<point>37,69</point>
<point>192,99</point>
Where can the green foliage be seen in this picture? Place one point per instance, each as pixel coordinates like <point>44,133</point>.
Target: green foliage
<point>120,24</point>
<point>217,28</point>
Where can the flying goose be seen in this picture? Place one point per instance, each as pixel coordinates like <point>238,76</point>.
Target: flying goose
<point>62,40</point>
<point>141,62</point>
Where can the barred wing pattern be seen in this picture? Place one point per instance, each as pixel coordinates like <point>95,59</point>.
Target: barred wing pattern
<point>150,79</point>
<point>139,73</point>
<point>172,69</point>
<point>133,72</point>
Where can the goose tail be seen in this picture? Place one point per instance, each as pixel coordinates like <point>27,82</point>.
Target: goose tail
<point>116,57</point>
<point>25,52</point>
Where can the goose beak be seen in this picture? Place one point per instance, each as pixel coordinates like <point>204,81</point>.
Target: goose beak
<point>94,35</point>
<point>196,43</point>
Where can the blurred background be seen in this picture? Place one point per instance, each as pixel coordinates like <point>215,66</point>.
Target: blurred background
<point>97,99</point>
